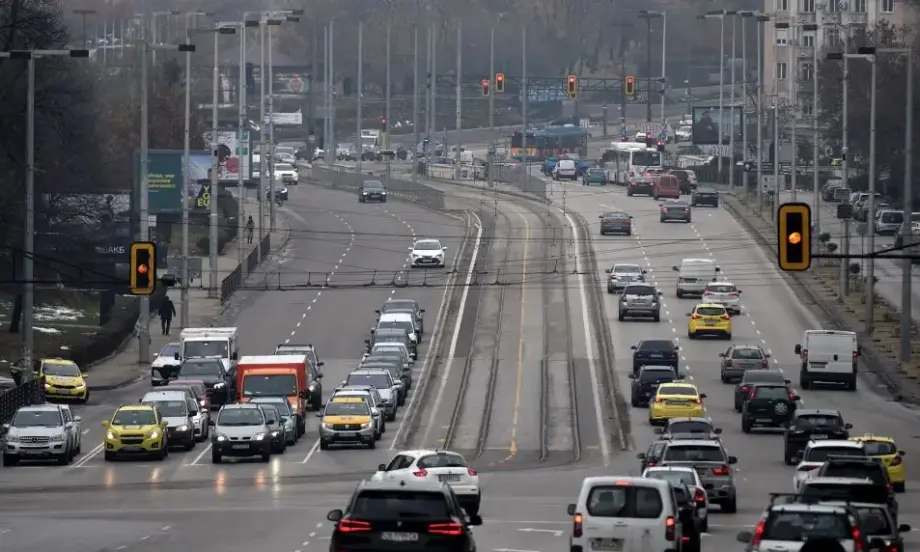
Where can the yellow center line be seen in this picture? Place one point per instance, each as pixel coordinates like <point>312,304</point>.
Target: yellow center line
<point>519,383</point>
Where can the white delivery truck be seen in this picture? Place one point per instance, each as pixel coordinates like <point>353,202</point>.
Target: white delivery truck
<point>828,356</point>
<point>222,343</point>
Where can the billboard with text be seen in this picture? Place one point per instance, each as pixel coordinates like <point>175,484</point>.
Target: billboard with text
<point>708,125</point>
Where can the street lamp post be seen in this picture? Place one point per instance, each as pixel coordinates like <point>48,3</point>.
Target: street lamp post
<point>648,15</point>
<point>761,21</point>
<point>720,15</point>
<point>28,248</point>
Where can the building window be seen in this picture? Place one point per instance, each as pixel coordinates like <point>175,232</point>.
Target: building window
<point>808,106</point>
<point>832,38</point>
<point>859,6</point>
<point>782,5</point>
<point>808,6</point>
<point>781,70</point>
<point>808,40</point>
<point>782,37</point>
<point>887,6</point>
<point>833,5</point>
<point>808,72</point>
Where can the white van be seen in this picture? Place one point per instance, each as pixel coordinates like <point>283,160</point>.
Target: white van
<point>693,275</point>
<point>828,356</point>
<point>625,514</point>
<point>565,168</point>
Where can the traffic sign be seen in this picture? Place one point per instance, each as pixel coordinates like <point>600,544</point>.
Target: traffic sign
<point>663,133</point>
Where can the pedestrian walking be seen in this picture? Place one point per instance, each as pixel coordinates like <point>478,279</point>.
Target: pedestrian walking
<point>250,227</point>
<point>166,311</point>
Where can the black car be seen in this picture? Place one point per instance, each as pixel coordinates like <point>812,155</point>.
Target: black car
<point>768,406</point>
<point>809,424</point>
<point>219,385</point>
<point>403,516</point>
<point>687,186</point>
<point>646,382</point>
<point>704,196</point>
<point>691,529</point>
<point>751,378</point>
<point>658,352</point>
<point>855,467</point>
<point>827,489</point>
<point>372,190</point>
<point>616,222</point>
<point>651,457</point>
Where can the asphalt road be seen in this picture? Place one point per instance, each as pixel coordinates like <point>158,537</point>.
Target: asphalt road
<point>888,271</point>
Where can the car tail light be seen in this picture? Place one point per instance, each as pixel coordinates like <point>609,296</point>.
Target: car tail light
<point>670,528</point>
<point>651,464</point>
<point>202,402</point>
<point>857,540</point>
<point>577,525</point>
<point>449,529</point>
<point>758,533</point>
<point>763,363</point>
<point>751,395</point>
<point>805,353</point>
<point>855,354</point>
<point>665,209</point>
<point>686,209</point>
<point>896,461</point>
<point>699,496</point>
<point>659,401</point>
<point>725,317</point>
<point>721,470</point>
<point>745,388</point>
<point>695,317</point>
<point>421,473</point>
<point>791,396</point>
<point>807,468</point>
<point>353,526</point>
<point>734,294</point>
<point>472,472</point>
<point>707,293</point>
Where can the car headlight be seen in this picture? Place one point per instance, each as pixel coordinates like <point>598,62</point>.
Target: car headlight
<point>326,426</point>
<point>153,434</point>
<point>258,437</point>
<point>182,428</point>
<point>311,387</point>
<point>111,436</point>
<point>59,438</point>
<point>383,193</point>
<point>81,385</point>
<point>363,193</point>
<point>276,433</point>
<point>221,437</point>
<point>220,385</point>
<point>365,426</point>
<point>12,438</point>
<point>47,386</point>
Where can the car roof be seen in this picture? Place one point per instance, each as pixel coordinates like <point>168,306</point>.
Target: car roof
<point>822,443</point>
<point>613,480</point>
<point>720,283</point>
<point>839,480</point>
<point>400,300</point>
<point>871,437</point>
<point>40,407</point>
<point>164,394</point>
<point>238,406</point>
<point>407,484</point>
<point>695,443</point>
<point>809,507</point>
<point>689,419</point>
<point>656,367</point>
<point>680,384</point>
<point>719,305</point>
<point>362,371</point>
<point>424,452</point>
<point>58,360</point>
<point>817,412</point>
<point>138,407</point>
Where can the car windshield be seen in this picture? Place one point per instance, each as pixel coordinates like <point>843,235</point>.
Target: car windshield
<point>272,385</point>
<point>657,375</point>
<point>37,418</point>
<point>800,526</point>
<point>771,393</point>
<point>169,351</point>
<point>626,269</point>
<point>142,417</point>
<point>66,369</point>
<point>690,426</point>
<point>380,381</point>
<point>639,290</point>
<point>710,311</point>
<point>747,354</point>
<point>395,325</point>
<point>676,204</point>
<point>390,306</point>
<point>401,504</point>
<point>817,421</point>
<point>892,217</point>
<point>694,453</point>
<point>705,191</point>
<point>656,345</point>
<point>373,184</point>
<point>170,409</point>
<point>349,408</point>
<point>880,448</point>
<point>240,417</point>
<point>427,246</point>
<point>284,167</point>
<point>204,349</point>
<point>721,288</point>
<point>646,158</point>
<point>676,477</point>
<point>615,215</point>
<point>282,406</point>
<point>820,454</point>
<point>442,460</point>
<point>201,369</point>
<point>677,390</point>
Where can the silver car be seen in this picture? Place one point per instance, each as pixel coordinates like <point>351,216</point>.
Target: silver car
<point>713,464</point>
<point>176,409</point>
<point>240,430</point>
<point>724,293</point>
<point>383,382</point>
<point>287,416</point>
<point>393,366</point>
<point>738,359</point>
<point>675,210</point>
<point>623,274</point>
<point>640,300</point>
<point>41,432</point>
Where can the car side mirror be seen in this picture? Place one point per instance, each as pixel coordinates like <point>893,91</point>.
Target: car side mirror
<point>373,330</point>
<point>631,376</point>
<point>234,356</point>
<point>422,311</point>
<point>105,423</point>
<point>608,271</point>
<point>155,355</point>
<point>475,520</point>
<point>722,355</point>
<point>768,355</point>
<point>343,383</point>
<point>689,314</point>
<point>681,376</point>
<point>319,375</point>
<point>659,430</point>
<point>718,269</point>
<point>78,418</point>
<point>717,431</point>
<point>848,426</point>
<point>444,248</point>
<point>732,460</point>
<point>176,356</point>
<point>675,269</point>
<point>6,427</point>
<point>408,249</point>
<point>902,452</point>
<point>796,398</point>
<point>798,349</point>
<point>788,381</point>
<point>641,456</point>
<point>645,272</point>
<point>633,347</point>
<point>745,536</point>
<point>334,516</point>
<point>796,459</point>
<point>702,395</point>
<point>377,311</point>
<point>904,528</point>
<point>739,291</point>
<point>381,467</point>
<point>570,509</point>
<point>600,216</point>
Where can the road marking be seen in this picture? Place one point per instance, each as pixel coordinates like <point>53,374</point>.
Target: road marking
<point>453,340</point>
<point>310,454</point>
<point>201,454</point>
<point>519,376</point>
<point>87,457</point>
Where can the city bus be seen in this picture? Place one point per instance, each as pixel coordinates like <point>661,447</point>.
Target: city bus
<point>517,144</point>
<point>625,160</point>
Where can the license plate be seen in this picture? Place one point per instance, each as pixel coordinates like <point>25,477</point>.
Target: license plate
<point>32,452</point>
<point>710,322</point>
<point>656,356</point>
<point>819,436</point>
<point>131,449</point>
<point>240,447</point>
<point>676,403</point>
<point>399,537</point>
<point>614,545</point>
<point>346,433</point>
<point>764,420</point>
<point>449,477</point>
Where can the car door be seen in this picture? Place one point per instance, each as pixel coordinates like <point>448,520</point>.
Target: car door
<point>271,417</point>
<point>73,431</point>
<point>727,357</point>
<point>398,468</point>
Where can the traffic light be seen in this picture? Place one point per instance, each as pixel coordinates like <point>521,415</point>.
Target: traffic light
<point>572,86</point>
<point>485,87</point>
<point>629,86</point>
<point>143,279</point>
<point>661,145</point>
<point>794,237</point>
<point>383,124</point>
<point>499,83</point>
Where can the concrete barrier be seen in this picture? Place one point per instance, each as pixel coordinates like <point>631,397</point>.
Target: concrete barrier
<point>345,178</point>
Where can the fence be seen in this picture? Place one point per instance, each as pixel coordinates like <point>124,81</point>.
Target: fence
<point>338,177</point>
<point>509,173</point>
<point>235,280</point>
<point>31,392</point>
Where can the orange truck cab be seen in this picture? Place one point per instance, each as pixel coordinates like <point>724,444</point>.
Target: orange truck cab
<point>276,376</point>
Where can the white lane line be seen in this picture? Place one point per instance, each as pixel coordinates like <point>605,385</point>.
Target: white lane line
<point>454,338</point>
<point>201,455</point>
<point>87,457</point>
<point>310,454</point>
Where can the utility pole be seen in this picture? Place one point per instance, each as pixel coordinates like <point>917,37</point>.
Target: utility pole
<point>28,260</point>
<point>761,20</point>
<point>241,125</point>
<point>731,115</point>
<point>524,94</point>
<point>664,62</point>
<point>327,100</point>
<point>648,70</point>
<point>143,323</point>
<point>459,81</point>
<point>815,109</point>
<point>491,153</point>
<point>776,99</point>
<point>183,309</point>
<point>906,291</point>
<point>360,94</point>
<point>332,94</point>
<point>870,213</point>
<point>215,167</point>
<point>794,76</point>
<point>844,266</point>
<point>264,122</point>
<point>415,92</point>
<point>434,81</point>
<point>744,98</point>
<point>389,86</point>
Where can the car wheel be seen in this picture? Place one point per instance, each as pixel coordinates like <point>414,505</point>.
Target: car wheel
<point>621,317</point>
<point>164,452</point>
<point>730,506</point>
<point>680,294</point>
<point>633,402</point>
<point>372,444</point>
<point>108,457</point>
<point>266,456</point>
<point>746,425</point>
<point>191,442</point>
<point>473,507</point>
<point>657,317</point>
<point>85,398</point>
<point>64,459</point>
<point>216,458</point>
<point>323,445</point>
<point>728,336</point>
<point>899,487</point>
<point>691,335</point>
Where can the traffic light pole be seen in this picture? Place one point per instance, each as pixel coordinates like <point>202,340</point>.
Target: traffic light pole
<point>491,153</point>
<point>143,322</point>
<point>360,100</point>
<point>524,97</point>
<point>459,80</point>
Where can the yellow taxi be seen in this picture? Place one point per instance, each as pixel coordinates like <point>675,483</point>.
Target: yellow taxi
<point>63,379</point>
<point>347,421</point>
<point>709,319</point>
<point>885,449</point>
<point>135,430</point>
<point>675,400</point>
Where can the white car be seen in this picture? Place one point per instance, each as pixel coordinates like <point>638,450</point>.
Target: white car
<point>689,477</point>
<point>683,134</point>
<point>816,452</point>
<point>286,158</point>
<point>436,465</point>
<point>724,293</point>
<point>427,253</point>
<point>285,172</point>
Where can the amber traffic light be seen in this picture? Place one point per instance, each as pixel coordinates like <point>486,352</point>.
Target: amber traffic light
<point>794,237</point>
<point>499,83</point>
<point>572,86</point>
<point>629,86</point>
<point>485,87</point>
<point>143,279</point>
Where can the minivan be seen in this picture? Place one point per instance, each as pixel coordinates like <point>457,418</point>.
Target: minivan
<point>694,275</point>
<point>666,186</point>
<point>565,168</point>
<point>888,222</point>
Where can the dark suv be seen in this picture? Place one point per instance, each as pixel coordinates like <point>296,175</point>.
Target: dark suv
<point>395,516</point>
<point>856,467</point>
<point>768,406</point>
<point>659,352</point>
<point>750,378</point>
<point>372,190</point>
<point>646,382</point>
<point>809,424</point>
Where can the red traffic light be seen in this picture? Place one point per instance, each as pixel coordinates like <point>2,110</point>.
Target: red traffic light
<point>630,80</point>
<point>485,82</point>
<point>571,79</point>
<point>142,269</point>
<point>499,77</point>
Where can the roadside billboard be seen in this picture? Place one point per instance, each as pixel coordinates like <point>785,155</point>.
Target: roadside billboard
<point>235,154</point>
<point>164,178</point>
<point>707,123</point>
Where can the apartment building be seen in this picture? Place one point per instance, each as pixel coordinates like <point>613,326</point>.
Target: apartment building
<point>789,53</point>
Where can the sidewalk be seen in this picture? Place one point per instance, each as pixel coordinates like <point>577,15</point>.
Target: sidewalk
<point>123,368</point>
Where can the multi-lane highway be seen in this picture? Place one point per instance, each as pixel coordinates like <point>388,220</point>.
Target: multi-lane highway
<point>515,357</point>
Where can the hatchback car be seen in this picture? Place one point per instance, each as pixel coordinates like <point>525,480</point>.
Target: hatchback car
<point>427,253</point>
<point>621,275</point>
<point>675,210</point>
<point>594,176</point>
<point>639,299</point>
<point>709,319</point>
<point>704,196</point>
<point>616,222</point>
<point>754,377</point>
<point>738,359</point>
<point>724,293</point>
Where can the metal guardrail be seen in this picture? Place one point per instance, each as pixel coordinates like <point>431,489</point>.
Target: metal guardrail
<point>12,399</point>
<point>345,178</point>
<point>235,280</point>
